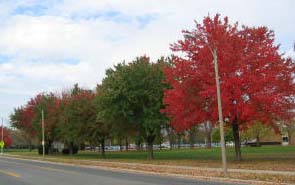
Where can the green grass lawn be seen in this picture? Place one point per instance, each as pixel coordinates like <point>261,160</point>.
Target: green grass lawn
<point>266,157</point>
<point>198,154</point>
<point>248,153</point>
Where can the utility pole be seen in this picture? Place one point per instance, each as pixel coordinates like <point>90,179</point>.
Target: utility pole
<point>220,116</point>
<point>43,141</point>
<point>2,132</point>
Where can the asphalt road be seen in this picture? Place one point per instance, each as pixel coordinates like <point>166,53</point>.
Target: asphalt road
<point>24,172</point>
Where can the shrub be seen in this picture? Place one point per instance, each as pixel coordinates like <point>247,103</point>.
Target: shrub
<point>67,150</point>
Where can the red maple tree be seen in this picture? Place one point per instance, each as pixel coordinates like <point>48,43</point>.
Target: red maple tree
<point>257,82</point>
<point>28,117</point>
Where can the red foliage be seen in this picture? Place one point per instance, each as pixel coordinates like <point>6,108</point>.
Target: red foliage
<point>256,81</point>
<point>28,113</point>
<point>81,95</point>
<point>26,116</point>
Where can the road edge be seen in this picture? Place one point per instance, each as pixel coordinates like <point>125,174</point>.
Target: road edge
<point>119,169</point>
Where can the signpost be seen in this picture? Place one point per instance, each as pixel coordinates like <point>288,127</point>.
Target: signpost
<point>2,139</point>
<point>2,144</point>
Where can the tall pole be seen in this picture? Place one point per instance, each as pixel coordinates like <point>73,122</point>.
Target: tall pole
<point>43,141</point>
<point>220,116</point>
<point>2,132</point>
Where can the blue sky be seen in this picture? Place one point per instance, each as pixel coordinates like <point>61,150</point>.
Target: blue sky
<point>50,45</point>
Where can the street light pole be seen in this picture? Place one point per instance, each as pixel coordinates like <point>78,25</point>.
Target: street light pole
<point>43,141</point>
<point>220,116</point>
<point>2,132</point>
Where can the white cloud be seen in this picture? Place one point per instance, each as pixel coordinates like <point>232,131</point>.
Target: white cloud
<point>43,38</point>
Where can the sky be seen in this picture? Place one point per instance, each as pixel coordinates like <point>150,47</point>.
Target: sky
<point>49,45</point>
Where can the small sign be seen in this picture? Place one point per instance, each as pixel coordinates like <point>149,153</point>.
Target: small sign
<point>2,144</point>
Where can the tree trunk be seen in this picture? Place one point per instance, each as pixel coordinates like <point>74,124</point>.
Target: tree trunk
<point>236,135</point>
<point>120,143</point>
<point>170,137</point>
<point>150,142</point>
<point>178,141</point>
<point>126,143</point>
<point>82,146</point>
<point>171,145</point>
<point>30,145</point>
<point>208,131</point>
<point>258,141</point>
<point>71,148</point>
<point>209,140</point>
<point>192,135</point>
<point>102,145</point>
<point>50,149</point>
<point>139,146</point>
<point>290,132</point>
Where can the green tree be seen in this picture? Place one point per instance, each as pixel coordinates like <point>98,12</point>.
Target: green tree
<point>77,113</point>
<point>228,135</point>
<point>257,131</point>
<point>100,129</point>
<point>133,92</point>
